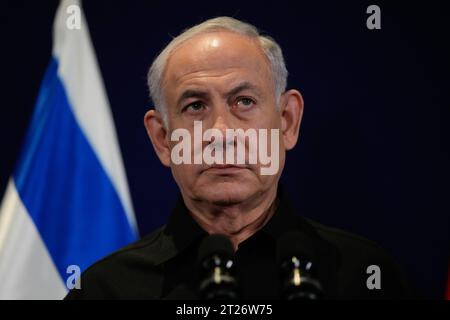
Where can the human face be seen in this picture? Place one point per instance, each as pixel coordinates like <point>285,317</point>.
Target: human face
<point>223,80</point>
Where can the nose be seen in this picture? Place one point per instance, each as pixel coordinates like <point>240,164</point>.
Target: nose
<point>221,123</point>
<point>221,119</point>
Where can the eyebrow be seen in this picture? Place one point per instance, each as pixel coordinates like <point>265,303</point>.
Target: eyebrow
<point>194,93</point>
<point>241,87</point>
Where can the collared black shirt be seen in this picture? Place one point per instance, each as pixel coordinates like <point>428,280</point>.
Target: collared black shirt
<point>163,265</point>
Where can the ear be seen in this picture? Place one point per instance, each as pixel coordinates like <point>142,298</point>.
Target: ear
<point>291,117</point>
<point>157,132</point>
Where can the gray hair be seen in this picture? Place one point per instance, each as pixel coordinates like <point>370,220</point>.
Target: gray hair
<point>270,48</point>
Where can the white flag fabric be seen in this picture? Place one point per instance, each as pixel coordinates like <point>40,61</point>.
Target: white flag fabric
<point>67,202</point>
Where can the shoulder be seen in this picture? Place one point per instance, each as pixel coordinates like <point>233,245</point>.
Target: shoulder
<point>147,247</point>
<point>110,277</point>
<point>347,242</point>
<point>360,262</point>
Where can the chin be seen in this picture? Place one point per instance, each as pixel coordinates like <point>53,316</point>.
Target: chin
<point>226,192</point>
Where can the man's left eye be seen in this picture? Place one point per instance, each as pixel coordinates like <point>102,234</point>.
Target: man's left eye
<point>245,103</point>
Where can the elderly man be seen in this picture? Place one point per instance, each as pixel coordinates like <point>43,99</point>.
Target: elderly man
<point>223,77</point>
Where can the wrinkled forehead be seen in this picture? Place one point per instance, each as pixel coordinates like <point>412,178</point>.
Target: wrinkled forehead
<point>216,54</point>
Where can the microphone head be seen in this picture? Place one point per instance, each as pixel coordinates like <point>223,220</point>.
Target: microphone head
<point>295,256</point>
<point>294,243</point>
<point>215,244</point>
<point>217,269</point>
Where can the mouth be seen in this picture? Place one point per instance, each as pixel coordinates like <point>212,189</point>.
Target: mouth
<point>225,168</point>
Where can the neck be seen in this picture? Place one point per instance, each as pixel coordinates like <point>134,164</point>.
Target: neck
<point>238,221</point>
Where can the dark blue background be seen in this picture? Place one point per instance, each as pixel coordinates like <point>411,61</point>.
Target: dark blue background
<point>371,158</point>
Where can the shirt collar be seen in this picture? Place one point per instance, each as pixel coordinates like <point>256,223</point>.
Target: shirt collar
<point>182,230</point>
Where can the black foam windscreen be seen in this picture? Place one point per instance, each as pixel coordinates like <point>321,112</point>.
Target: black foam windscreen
<point>294,243</point>
<point>215,244</point>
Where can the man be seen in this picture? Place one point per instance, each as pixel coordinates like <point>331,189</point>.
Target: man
<point>223,75</point>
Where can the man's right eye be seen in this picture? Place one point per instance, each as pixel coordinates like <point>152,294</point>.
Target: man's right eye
<point>194,107</point>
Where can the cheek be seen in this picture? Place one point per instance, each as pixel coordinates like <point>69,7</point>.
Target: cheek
<point>183,175</point>
<point>270,117</point>
<point>282,158</point>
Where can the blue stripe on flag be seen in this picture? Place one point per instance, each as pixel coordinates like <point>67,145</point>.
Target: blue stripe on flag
<point>62,184</point>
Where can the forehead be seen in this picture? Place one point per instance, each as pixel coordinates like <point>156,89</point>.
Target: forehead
<point>216,56</point>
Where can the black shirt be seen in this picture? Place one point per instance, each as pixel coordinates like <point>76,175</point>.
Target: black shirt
<point>163,264</point>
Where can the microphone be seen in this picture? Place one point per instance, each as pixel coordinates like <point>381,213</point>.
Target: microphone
<point>218,279</point>
<point>298,271</point>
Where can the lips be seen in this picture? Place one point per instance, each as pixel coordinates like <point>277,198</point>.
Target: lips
<point>225,168</point>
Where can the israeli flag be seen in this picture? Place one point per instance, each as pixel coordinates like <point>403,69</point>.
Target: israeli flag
<point>67,203</point>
